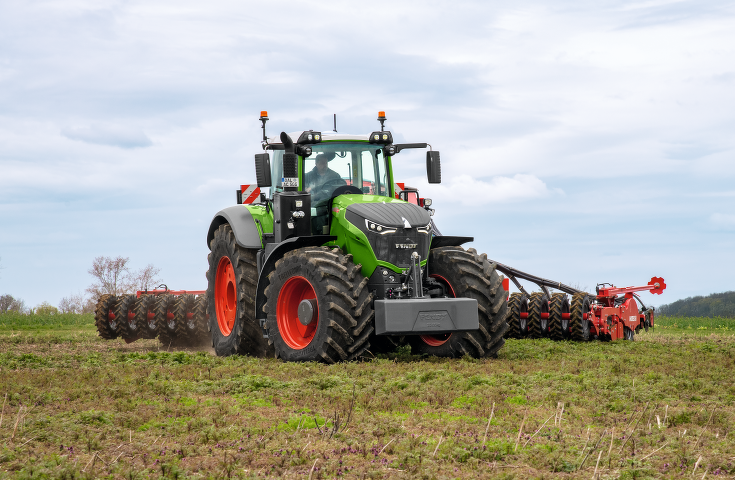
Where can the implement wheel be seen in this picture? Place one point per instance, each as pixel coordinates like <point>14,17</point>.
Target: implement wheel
<point>579,317</point>
<point>517,305</point>
<point>558,326</point>
<point>466,274</point>
<point>145,316</point>
<point>232,280</point>
<point>184,315</point>
<point>104,317</point>
<point>628,334</point>
<point>199,332</point>
<point>318,306</point>
<point>538,315</point>
<point>165,319</point>
<point>124,311</point>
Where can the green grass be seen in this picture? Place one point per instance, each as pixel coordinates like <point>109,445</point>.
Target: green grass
<point>716,324</point>
<point>66,321</point>
<point>81,407</point>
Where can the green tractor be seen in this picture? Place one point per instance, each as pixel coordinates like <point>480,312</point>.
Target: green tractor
<point>330,266</point>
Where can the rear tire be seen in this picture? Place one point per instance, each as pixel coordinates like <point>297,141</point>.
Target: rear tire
<point>517,326</point>
<point>469,275</point>
<point>558,326</point>
<point>538,304</point>
<point>232,280</point>
<point>106,328</point>
<point>580,324</point>
<point>342,315</point>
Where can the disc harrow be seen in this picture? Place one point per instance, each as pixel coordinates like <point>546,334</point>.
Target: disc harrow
<point>611,313</point>
<point>175,317</point>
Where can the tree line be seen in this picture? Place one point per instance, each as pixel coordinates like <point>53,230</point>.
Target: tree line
<point>714,305</point>
<point>110,276</point>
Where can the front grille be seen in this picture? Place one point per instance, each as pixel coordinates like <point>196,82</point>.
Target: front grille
<point>385,249</point>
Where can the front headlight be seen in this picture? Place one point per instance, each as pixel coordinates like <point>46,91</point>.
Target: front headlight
<point>378,228</point>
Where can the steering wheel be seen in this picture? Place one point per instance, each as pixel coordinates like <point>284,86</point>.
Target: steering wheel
<point>325,190</point>
<point>345,189</point>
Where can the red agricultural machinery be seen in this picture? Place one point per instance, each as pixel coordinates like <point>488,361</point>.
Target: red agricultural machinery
<point>174,316</point>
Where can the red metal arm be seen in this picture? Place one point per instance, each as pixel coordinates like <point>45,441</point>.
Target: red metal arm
<point>656,285</point>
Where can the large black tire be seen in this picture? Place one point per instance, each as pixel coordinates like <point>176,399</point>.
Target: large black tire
<point>517,305</point>
<point>580,325</point>
<point>236,331</point>
<point>342,318</point>
<point>468,275</point>
<point>538,326</point>
<point>145,316</point>
<point>183,306</point>
<point>124,311</point>
<point>106,328</point>
<point>558,326</point>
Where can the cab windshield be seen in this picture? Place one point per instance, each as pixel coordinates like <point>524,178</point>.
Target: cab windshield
<point>333,165</point>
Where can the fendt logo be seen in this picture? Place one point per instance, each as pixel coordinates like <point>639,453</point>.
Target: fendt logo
<point>407,245</point>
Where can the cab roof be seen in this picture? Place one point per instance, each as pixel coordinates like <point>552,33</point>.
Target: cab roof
<point>326,137</point>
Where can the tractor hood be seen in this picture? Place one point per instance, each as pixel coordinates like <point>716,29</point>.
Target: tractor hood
<point>392,215</point>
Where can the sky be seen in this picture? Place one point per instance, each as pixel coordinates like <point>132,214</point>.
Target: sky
<point>583,142</point>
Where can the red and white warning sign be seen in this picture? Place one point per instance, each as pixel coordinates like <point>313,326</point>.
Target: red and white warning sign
<point>398,188</point>
<point>250,193</point>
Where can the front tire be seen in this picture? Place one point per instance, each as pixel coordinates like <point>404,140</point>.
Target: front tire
<point>468,275</point>
<point>318,306</point>
<point>232,280</point>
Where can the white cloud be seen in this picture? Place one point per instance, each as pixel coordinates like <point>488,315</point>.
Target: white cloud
<point>473,192</point>
<point>112,135</point>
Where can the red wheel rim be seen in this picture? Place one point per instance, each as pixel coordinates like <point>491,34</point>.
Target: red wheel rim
<point>294,333</point>
<point>441,338</point>
<point>225,296</point>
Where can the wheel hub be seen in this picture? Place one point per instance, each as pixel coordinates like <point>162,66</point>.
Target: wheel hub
<point>306,311</point>
<point>225,296</point>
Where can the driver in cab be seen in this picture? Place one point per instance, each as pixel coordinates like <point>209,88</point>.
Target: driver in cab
<point>321,175</point>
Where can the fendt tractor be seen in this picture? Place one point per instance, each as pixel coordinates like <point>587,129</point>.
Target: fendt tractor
<point>339,261</point>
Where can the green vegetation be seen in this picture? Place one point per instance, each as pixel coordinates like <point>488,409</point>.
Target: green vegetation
<point>708,324</point>
<point>714,305</point>
<point>80,407</point>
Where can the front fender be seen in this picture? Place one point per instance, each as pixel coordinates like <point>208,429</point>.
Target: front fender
<point>247,233</point>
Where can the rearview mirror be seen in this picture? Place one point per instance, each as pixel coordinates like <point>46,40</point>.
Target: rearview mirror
<point>263,169</point>
<point>433,167</point>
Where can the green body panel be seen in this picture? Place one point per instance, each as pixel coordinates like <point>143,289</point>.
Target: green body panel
<point>265,218</point>
<point>352,240</point>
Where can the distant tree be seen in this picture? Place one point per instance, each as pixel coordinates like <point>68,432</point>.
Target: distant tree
<point>10,304</point>
<point>45,308</point>
<point>713,305</point>
<point>76,303</point>
<point>113,276</point>
<point>147,278</point>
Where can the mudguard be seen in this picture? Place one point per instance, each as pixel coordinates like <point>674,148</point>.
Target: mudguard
<point>447,241</point>
<point>243,226</point>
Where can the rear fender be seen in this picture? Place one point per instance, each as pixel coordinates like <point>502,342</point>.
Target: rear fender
<point>247,233</point>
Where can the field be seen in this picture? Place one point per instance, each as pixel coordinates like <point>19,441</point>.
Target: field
<point>79,407</point>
